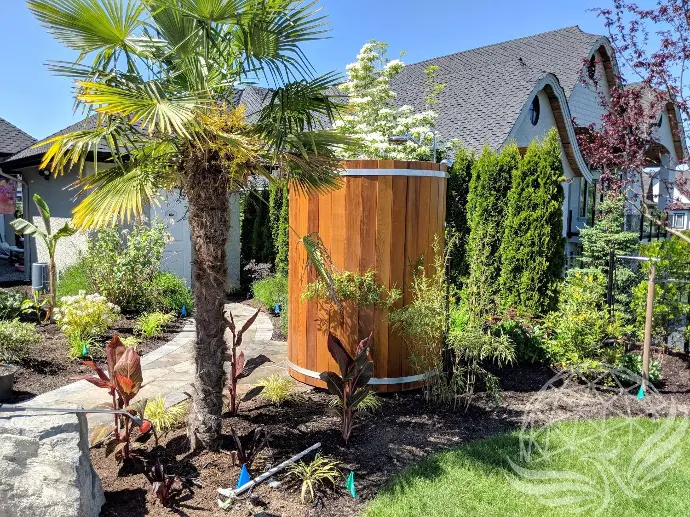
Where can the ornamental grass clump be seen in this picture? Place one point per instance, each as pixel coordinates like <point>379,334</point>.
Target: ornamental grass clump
<point>85,317</point>
<point>314,474</point>
<point>152,324</point>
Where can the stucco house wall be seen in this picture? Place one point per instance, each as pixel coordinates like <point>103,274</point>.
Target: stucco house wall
<point>60,198</point>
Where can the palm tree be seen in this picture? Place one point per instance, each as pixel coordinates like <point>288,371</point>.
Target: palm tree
<point>159,78</point>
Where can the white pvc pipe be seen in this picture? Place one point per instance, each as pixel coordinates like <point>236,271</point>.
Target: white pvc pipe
<point>228,492</point>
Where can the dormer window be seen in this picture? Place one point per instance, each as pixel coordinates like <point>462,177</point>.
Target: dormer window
<point>534,110</point>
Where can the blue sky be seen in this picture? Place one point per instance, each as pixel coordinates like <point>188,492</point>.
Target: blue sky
<point>40,104</point>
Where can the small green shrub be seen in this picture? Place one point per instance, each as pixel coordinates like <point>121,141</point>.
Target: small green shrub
<point>10,305</point>
<point>633,362</point>
<point>277,390</point>
<point>15,339</point>
<point>121,263</point>
<point>314,474</point>
<point>151,324</point>
<point>164,418</point>
<point>130,342</point>
<point>169,293</point>
<point>578,329</point>
<point>74,279</point>
<point>83,317</point>
<point>271,291</point>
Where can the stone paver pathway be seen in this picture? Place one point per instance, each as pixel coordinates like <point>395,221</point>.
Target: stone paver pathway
<point>169,370</point>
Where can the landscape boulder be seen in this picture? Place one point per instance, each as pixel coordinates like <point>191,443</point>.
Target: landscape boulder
<point>45,467</point>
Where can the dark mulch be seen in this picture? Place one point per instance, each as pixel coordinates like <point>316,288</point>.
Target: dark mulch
<point>406,429</point>
<point>48,365</point>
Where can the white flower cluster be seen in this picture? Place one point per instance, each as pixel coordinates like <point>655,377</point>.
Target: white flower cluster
<point>85,316</point>
<point>372,117</point>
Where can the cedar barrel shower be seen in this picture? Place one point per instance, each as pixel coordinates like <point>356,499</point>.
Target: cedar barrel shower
<point>383,218</point>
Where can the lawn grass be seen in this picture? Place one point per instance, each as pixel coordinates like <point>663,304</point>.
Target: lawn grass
<point>475,479</point>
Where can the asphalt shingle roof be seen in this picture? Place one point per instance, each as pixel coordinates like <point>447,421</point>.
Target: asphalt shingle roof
<point>486,88</point>
<point>33,153</point>
<point>13,139</point>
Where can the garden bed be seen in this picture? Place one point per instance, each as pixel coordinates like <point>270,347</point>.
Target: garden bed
<point>48,365</point>
<point>406,429</point>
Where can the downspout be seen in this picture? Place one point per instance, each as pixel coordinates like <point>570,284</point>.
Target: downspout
<point>27,247</point>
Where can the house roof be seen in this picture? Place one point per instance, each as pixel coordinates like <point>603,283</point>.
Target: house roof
<point>32,155</point>
<point>487,88</point>
<point>13,139</point>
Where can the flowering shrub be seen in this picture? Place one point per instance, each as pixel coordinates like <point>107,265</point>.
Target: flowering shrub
<point>85,316</point>
<point>372,117</point>
<point>15,340</point>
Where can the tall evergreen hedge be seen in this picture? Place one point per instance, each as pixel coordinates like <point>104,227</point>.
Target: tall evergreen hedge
<point>459,177</point>
<point>279,218</point>
<point>486,211</point>
<point>256,240</point>
<point>533,248</point>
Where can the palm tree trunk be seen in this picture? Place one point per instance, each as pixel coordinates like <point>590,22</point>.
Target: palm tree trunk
<point>206,186</point>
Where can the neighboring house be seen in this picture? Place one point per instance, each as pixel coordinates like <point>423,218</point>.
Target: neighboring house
<point>57,192</point>
<point>12,140</point>
<point>518,90</point>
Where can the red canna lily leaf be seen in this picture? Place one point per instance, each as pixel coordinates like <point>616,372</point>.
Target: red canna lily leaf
<point>93,380</point>
<point>129,366</point>
<point>239,367</point>
<point>99,371</point>
<point>125,384</point>
<point>114,352</point>
<point>114,446</point>
<point>100,433</point>
<point>339,353</point>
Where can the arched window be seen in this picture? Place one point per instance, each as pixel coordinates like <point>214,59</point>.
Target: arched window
<point>534,111</point>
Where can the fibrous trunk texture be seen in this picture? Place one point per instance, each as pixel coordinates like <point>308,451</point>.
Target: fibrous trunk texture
<point>206,187</point>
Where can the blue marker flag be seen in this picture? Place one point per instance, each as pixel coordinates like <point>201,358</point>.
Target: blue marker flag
<point>184,311</point>
<point>640,394</point>
<point>244,477</point>
<point>84,350</point>
<point>350,484</point>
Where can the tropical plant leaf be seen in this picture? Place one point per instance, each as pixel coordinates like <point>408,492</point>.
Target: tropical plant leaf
<point>338,352</point>
<point>24,227</point>
<point>114,446</point>
<point>129,367</point>
<point>252,364</point>
<point>252,393</point>
<point>334,383</point>
<point>100,432</point>
<point>65,231</point>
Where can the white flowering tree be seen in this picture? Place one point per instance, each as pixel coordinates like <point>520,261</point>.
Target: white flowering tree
<point>372,116</point>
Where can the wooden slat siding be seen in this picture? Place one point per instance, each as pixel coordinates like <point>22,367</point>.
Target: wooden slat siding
<point>338,238</point>
<point>295,346</point>
<point>423,231</point>
<point>398,266</point>
<point>353,250</point>
<point>312,311</point>
<point>367,260</point>
<point>412,251</point>
<point>374,233</point>
<point>384,230</point>
<point>325,229</point>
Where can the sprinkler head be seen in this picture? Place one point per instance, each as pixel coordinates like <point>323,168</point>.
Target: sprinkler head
<point>145,426</point>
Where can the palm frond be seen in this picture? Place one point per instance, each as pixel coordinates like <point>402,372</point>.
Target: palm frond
<point>270,33</point>
<point>299,107</point>
<point>319,258</point>
<point>88,26</point>
<point>120,195</point>
<point>72,149</point>
<point>149,104</point>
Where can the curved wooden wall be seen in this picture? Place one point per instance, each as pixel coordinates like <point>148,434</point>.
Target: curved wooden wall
<point>383,218</point>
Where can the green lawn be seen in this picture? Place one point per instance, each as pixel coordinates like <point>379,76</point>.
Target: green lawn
<point>622,468</point>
